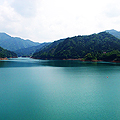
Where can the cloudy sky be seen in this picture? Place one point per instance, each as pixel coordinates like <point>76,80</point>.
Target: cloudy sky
<point>49,20</point>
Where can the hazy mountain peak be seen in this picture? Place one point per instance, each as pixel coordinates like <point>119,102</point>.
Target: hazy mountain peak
<point>114,32</point>
<point>15,43</point>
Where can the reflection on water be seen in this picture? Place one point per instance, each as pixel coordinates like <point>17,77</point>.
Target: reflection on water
<point>28,62</point>
<point>19,62</point>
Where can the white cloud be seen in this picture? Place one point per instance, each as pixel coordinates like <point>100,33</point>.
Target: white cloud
<point>26,8</point>
<point>49,20</point>
<point>9,18</point>
<point>113,9</point>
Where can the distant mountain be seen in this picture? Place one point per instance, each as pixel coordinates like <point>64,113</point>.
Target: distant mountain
<point>114,32</point>
<point>95,46</point>
<point>6,53</point>
<point>15,43</point>
<point>30,50</point>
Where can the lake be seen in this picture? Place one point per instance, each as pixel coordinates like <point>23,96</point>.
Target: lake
<point>59,90</point>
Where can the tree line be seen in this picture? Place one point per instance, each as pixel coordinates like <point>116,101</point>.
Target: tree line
<point>102,46</point>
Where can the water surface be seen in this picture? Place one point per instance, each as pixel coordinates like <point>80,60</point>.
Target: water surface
<point>59,90</point>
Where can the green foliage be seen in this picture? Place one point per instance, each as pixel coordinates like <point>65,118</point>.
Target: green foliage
<point>91,47</point>
<point>110,56</point>
<point>90,56</point>
<point>2,55</point>
<point>6,53</point>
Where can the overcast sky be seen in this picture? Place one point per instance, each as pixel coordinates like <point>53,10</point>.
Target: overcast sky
<point>49,20</point>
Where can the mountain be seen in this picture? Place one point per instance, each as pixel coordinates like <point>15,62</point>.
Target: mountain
<point>96,46</point>
<point>49,47</point>
<point>6,53</point>
<point>15,43</point>
<point>30,50</point>
<point>114,32</point>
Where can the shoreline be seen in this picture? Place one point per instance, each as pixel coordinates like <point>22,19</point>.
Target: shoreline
<point>80,59</point>
<point>94,60</point>
<point>3,59</point>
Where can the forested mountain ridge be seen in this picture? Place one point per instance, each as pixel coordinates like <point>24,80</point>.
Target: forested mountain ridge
<point>6,53</point>
<point>15,43</point>
<point>95,46</point>
<point>49,47</point>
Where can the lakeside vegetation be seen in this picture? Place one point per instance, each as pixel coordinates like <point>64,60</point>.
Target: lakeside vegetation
<point>110,56</point>
<point>101,46</point>
<point>6,53</point>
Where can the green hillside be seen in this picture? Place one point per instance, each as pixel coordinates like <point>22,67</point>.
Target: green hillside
<point>48,48</point>
<point>92,47</point>
<point>6,53</point>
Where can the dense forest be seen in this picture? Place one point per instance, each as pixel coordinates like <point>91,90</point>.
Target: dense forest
<point>101,46</point>
<point>6,53</point>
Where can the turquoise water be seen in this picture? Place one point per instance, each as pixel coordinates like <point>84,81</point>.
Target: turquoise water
<point>59,90</point>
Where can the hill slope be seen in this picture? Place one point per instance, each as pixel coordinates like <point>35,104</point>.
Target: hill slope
<point>49,47</point>
<point>6,53</point>
<point>15,43</point>
<point>79,47</point>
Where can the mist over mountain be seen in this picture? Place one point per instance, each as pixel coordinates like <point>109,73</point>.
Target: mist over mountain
<point>15,43</point>
<point>114,32</point>
<point>30,50</point>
